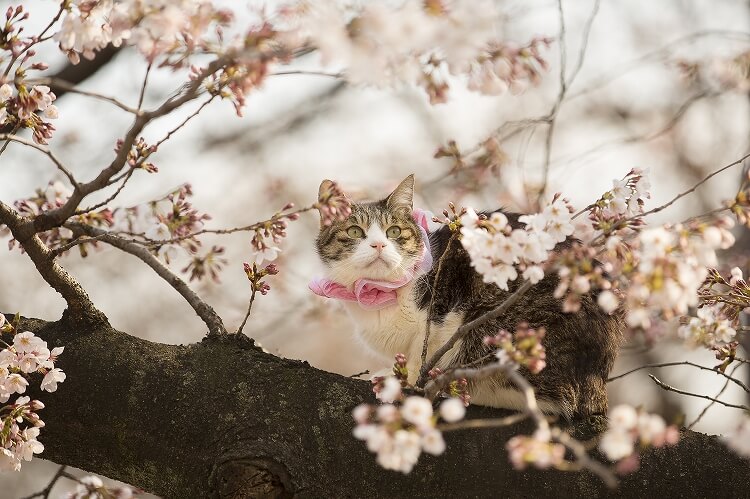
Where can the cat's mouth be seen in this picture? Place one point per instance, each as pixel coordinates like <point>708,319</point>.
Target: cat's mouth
<point>379,260</point>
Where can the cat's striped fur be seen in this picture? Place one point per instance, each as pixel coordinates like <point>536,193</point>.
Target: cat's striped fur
<point>581,346</point>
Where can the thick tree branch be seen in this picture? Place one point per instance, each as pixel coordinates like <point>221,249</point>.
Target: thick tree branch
<point>79,304</point>
<point>223,419</point>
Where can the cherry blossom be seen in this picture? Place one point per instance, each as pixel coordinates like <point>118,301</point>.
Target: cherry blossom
<point>738,439</point>
<point>20,363</point>
<point>452,410</point>
<point>628,427</point>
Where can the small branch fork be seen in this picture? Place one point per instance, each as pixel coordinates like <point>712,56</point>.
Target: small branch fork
<point>682,363</point>
<point>711,404</point>
<point>670,388</point>
<point>46,491</point>
<point>565,84</point>
<point>25,230</point>
<point>204,311</point>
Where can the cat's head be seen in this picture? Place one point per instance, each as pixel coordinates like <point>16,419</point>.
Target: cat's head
<point>380,240</point>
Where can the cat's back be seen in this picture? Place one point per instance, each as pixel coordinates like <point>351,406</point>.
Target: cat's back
<point>581,346</point>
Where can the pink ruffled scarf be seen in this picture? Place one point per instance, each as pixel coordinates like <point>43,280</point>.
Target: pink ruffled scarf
<point>376,295</point>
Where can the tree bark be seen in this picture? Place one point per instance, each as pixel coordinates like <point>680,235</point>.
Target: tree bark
<point>221,418</point>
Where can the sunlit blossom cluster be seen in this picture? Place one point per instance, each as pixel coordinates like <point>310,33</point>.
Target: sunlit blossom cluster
<point>670,264</point>
<point>398,435</point>
<point>628,428</point>
<point>624,201</point>
<point>708,329</point>
<point>167,224</point>
<point>421,43</point>
<point>155,27</point>
<point>53,196</point>
<point>26,108</point>
<point>613,215</point>
<point>24,357</point>
<point>498,251</point>
<point>537,450</point>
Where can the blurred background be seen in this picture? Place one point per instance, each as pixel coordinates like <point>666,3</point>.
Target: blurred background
<point>637,101</point>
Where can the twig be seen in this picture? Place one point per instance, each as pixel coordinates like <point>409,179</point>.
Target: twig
<point>246,228</point>
<point>573,445</point>
<point>7,140</point>
<point>610,76</point>
<point>682,363</point>
<point>552,116</point>
<point>249,307</point>
<point>143,85</point>
<point>184,122</point>
<point>306,72</point>
<point>466,328</point>
<point>431,308</point>
<point>58,216</point>
<point>81,240</point>
<point>57,83</point>
<point>204,311</point>
<point>433,387</point>
<point>110,198</point>
<point>625,221</point>
<point>698,395</point>
<point>357,375</point>
<point>43,149</point>
<point>470,424</point>
<point>584,42</point>
<point>45,492</point>
<point>710,404</point>
<point>643,137</point>
<point>692,189</point>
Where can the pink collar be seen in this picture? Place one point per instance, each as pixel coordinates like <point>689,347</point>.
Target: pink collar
<point>375,295</point>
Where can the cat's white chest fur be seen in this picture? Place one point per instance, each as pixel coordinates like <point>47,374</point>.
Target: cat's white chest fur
<point>401,328</point>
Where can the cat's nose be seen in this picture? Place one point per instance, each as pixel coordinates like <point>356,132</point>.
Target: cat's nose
<point>378,246</point>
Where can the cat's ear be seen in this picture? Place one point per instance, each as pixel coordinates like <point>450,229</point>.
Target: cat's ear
<point>403,196</point>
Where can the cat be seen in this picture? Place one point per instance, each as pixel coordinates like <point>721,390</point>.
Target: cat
<point>382,242</point>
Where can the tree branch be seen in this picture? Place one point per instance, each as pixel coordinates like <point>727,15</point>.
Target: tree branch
<point>209,420</point>
<point>698,395</point>
<point>78,301</point>
<point>682,363</point>
<point>204,311</point>
<point>45,150</point>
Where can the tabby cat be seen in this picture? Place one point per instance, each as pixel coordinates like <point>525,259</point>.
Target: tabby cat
<point>382,242</point>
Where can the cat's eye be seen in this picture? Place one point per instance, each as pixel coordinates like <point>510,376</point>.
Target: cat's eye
<point>355,232</point>
<point>393,232</point>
